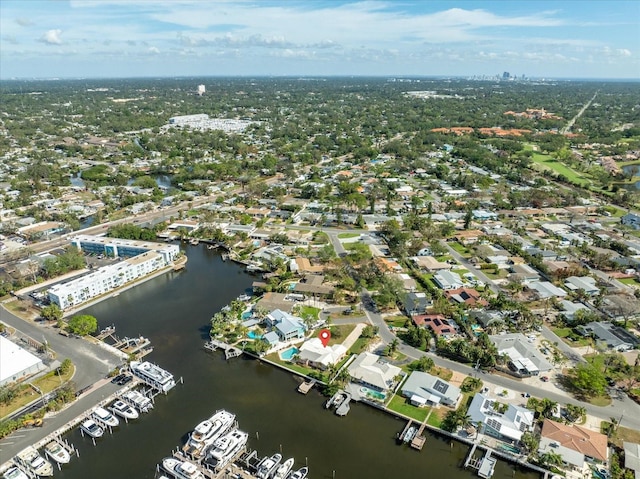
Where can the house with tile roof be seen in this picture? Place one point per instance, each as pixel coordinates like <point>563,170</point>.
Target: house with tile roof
<point>576,444</point>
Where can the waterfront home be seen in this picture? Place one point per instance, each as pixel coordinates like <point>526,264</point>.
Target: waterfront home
<point>524,358</point>
<point>372,371</point>
<point>271,301</point>
<point>575,444</point>
<point>313,353</point>
<point>287,326</point>
<point>422,388</point>
<point>506,422</point>
<point>313,285</point>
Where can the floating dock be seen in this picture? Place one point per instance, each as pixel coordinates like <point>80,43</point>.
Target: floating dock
<point>229,351</point>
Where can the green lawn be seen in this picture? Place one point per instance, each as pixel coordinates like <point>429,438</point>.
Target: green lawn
<point>629,281</point>
<point>571,338</point>
<point>348,235</point>
<point>460,249</point>
<point>310,311</point>
<point>396,321</point>
<point>402,406</point>
<point>359,345</point>
<point>549,163</point>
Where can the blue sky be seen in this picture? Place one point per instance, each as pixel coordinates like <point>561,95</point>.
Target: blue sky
<point>131,38</point>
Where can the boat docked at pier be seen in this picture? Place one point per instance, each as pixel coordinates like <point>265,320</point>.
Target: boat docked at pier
<point>153,375</point>
<point>138,400</point>
<point>206,432</point>
<point>299,474</point>
<point>226,447</point>
<point>91,428</point>
<point>267,466</point>
<point>103,416</point>
<point>57,452</point>
<point>181,469</point>
<point>283,469</point>
<point>123,410</point>
<point>14,473</point>
<point>31,458</point>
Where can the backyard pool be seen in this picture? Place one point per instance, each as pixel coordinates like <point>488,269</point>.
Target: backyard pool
<point>371,394</point>
<point>254,335</point>
<point>289,353</point>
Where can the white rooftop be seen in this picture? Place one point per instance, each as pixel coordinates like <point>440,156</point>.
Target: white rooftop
<point>14,359</point>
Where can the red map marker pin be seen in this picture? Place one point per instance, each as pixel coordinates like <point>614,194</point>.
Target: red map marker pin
<point>325,336</point>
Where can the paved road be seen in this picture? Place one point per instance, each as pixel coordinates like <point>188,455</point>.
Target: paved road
<point>464,262</point>
<point>94,362</point>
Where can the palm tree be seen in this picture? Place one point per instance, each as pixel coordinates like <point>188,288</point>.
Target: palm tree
<point>551,459</point>
<point>547,407</point>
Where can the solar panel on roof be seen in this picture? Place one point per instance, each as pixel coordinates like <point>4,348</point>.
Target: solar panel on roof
<point>441,387</point>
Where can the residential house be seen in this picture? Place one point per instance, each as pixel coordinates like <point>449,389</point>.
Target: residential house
<point>468,296</point>
<point>440,325</point>
<point>422,388</point>
<point>487,318</point>
<point>585,283</point>
<point>506,422</point>
<point>313,285</point>
<point>614,337</point>
<point>408,283</point>
<point>430,264</point>
<point>373,372</point>
<point>314,353</point>
<point>467,237</point>
<point>545,289</point>
<point>524,358</point>
<point>575,444</point>
<point>570,309</point>
<point>287,326</point>
<point>271,301</point>
<point>416,303</point>
<point>448,280</point>
<point>523,272</point>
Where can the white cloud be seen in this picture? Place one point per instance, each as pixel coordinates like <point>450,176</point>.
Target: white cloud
<point>52,37</point>
<point>154,50</point>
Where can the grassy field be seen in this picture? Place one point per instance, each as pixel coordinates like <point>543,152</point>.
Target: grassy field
<point>571,338</point>
<point>460,249</point>
<point>396,321</point>
<point>549,163</point>
<point>348,235</point>
<point>402,406</point>
<point>46,384</point>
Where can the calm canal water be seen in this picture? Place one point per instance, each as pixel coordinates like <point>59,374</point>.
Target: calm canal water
<point>173,311</point>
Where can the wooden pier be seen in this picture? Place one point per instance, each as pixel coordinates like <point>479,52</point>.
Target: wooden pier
<point>419,439</point>
<point>306,386</point>
<point>404,432</point>
<point>106,333</point>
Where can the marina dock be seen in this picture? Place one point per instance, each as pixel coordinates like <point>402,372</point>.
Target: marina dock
<point>419,439</point>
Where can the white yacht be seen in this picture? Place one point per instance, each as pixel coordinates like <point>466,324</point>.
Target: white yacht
<point>138,400</point>
<point>283,469</point>
<point>57,452</point>
<point>91,428</point>
<point>14,473</point>
<point>180,469</point>
<point>31,458</point>
<point>268,465</point>
<point>226,447</point>
<point>105,417</point>
<point>123,410</point>
<point>153,375</point>
<point>205,433</point>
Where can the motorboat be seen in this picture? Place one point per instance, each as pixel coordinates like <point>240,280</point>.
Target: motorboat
<point>57,452</point>
<point>206,432</point>
<point>31,458</point>
<point>226,447</point>
<point>299,474</point>
<point>138,400</point>
<point>123,410</point>
<point>181,469</point>
<point>283,469</point>
<point>14,473</point>
<point>268,465</point>
<point>91,428</point>
<point>153,375</point>
<point>101,415</point>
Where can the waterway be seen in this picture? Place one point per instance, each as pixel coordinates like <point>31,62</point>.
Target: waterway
<point>173,312</point>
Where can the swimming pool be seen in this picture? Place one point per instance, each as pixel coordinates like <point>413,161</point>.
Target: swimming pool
<point>371,394</point>
<point>289,353</point>
<point>254,335</point>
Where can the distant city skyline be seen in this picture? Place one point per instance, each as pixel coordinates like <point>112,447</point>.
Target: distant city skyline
<point>166,38</point>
